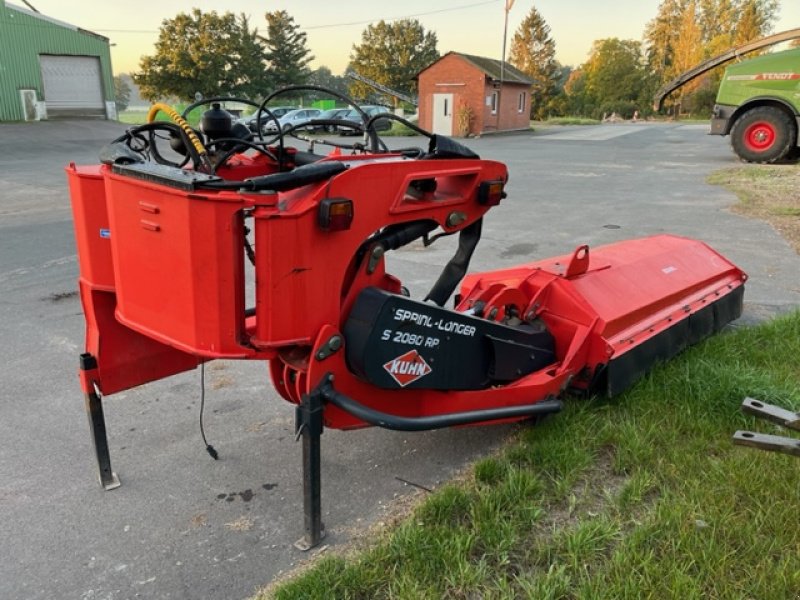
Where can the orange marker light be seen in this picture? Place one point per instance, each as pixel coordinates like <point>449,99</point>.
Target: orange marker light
<point>335,214</point>
<point>491,192</point>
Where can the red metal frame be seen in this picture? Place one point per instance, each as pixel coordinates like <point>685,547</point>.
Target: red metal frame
<point>163,281</point>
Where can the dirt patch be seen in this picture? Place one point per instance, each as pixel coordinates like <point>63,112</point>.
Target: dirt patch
<point>767,192</point>
<point>241,524</point>
<point>199,520</point>
<point>222,381</point>
<point>61,296</point>
<point>590,496</point>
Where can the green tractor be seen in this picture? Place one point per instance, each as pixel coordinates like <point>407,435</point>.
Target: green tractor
<point>758,105</point>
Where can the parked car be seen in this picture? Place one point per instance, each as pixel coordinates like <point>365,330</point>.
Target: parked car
<point>252,120</point>
<point>333,113</point>
<point>355,117</point>
<point>293,118</point>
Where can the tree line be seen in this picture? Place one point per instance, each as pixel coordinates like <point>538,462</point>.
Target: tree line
<point>215,54</point>
<point>621,76</point>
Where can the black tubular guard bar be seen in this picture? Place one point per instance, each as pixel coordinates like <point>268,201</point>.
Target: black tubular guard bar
<point>398,423</point>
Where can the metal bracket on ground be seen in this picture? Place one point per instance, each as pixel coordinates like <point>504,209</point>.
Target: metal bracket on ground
<point>763,441</point>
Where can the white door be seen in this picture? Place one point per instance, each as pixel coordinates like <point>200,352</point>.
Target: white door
<point>443,114</point>
<point>72,85</point>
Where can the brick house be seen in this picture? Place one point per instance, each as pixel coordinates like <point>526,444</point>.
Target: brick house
<point>460,85</point>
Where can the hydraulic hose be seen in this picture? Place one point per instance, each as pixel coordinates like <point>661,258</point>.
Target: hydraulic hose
<point>181,122</point>
<point>389,421</point>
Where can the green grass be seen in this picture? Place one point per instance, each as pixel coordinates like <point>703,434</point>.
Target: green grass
<point>398,130</point>
<point>139,117</point>
<point>132,117</point>
<point>642,496</point>
<point>568,121</point>
<point>767,192</point>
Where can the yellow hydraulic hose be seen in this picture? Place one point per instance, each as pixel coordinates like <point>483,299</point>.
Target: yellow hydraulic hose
<point>181,122</point>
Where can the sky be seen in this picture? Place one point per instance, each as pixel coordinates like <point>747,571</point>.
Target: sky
<point>333,27</point>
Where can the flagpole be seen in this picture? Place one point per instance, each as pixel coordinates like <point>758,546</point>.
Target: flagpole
<point>508,5</point>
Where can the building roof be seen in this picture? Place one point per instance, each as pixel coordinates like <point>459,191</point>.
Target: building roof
<point>491,68</point>
<point>38,15</point>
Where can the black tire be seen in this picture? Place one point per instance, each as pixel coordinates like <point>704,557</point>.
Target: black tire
<point>764,134</point>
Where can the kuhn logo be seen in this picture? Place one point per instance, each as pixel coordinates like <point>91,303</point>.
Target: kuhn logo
<point>407,368</point>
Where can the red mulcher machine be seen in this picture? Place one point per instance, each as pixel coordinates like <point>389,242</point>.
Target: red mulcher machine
<point>164,243</point>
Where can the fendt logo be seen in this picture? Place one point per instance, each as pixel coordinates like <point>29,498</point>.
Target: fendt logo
<point>407,368</point>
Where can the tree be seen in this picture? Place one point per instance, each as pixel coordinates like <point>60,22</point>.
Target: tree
<point>122,93</point>
<point>392,54</point>
<point>755,20</point>
<point>533,52</point>
<point>722,23</point>
<point>684,32</point>
<point>660,36</point>
<point>286,50</point>
<point>203,52</point>
<point>614,77</point>
<point>324,77</point>
<point>717,20</point>
<point>688,47</point>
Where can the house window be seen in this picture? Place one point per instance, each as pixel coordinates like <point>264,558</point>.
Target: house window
<point>521,103</point>
<point>493,103</point>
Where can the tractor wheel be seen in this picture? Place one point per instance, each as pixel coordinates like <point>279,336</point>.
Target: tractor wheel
<point>763,135</point>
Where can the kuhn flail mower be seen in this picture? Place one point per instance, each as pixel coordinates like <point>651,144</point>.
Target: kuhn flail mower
<point>164,245</point>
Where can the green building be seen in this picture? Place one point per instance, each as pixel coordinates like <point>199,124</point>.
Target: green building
<point>50,69</point>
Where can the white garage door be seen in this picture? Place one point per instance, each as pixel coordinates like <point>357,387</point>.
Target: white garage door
<point>73,85</point>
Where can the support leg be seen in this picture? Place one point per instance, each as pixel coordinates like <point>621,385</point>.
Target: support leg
<point>97,424</point>
<point>97,427</point>
<point>309,426</point>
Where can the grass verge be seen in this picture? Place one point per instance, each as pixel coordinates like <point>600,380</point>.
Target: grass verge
<point>767,192</point>
<point>565,121</point>
<point>132,117</point>
<point>643,496</point>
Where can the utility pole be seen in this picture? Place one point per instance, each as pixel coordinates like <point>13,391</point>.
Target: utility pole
<point>509,4</point>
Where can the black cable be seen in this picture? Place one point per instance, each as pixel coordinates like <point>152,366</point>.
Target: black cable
<point>209,448</point>
<point>248,247</point>
<point>135,133</point>
<point>371,134</point>
<point>393,117</point>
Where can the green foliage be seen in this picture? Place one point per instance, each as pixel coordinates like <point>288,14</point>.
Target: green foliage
<point>755,19</point>
<point>614,79</point>
<point>533,52</point>
<point>122,93</point>
<point>392,54</point>
<point>203,52</point>
<point>614,70</point>
<point>684,32</point>
<point>323,77</point>
<point>286,52</point>
<point>642,496</point>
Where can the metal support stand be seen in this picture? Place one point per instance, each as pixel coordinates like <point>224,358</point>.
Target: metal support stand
<point>308,424</point>
<point>97,427</point>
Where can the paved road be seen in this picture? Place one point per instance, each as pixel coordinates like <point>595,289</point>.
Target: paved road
<point>183,526</point>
